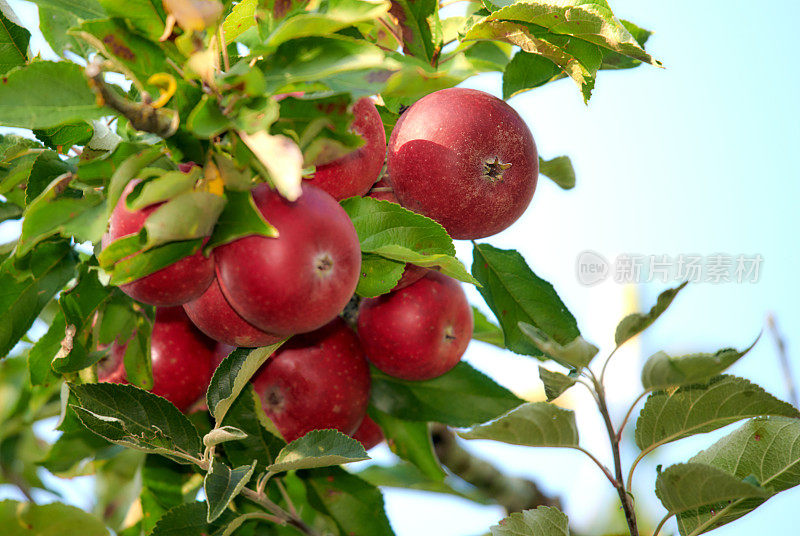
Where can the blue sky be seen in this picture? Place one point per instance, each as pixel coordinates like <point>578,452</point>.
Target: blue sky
<point>697,158</point>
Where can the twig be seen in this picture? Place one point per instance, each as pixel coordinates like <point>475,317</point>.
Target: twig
<point>624,497</point>
<point>783,356</point>
<point>141,115</point>
<point>661,523</point>
<point>605,365</point>
<point>283,516</point>
<point>599,464</point>
<point>513,494</point>
<point>628,414</point>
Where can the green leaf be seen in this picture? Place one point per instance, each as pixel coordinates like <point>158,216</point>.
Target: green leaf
<point>241,18</point>
<point>206,119</point>
<point>184,217</point>
<point>327,19</point>
<point>543,521</point>
<point>25,289</point>
<point>71,448</point>
<point>393,232</point>
<point>696,409</point>
<point>147,16</point>
<point>46,94</point>
<point>527,71</point>
<point>152,260</point>
<point>662,370</point>
<point>461,397</point>
<point>333,55</point>
<point>188,520</point>
<point>421,27</point>
<point>355,505</point>
<point>318,448</point>
<point>47,167</point>
<point>263,441</point>
<point>690,486</point>
<point>9,211</point>
<point>577,354</point>
<point>633,324</point>
<point>14,40</point>
<point>534,424</point>
<point>577,59</point>
<point>488,55</point>
<point>559,170</point>
<point>320,127</point>
<point>614,60</point>
<point>83,9</point>
<point>407,476</point>
<point>411,441</point>
<point>54,23</point>
<point>162,489</point>
<point>66,135</point>
<point>591,21</point>
<point>240,217</point>
<point>113,38</point>
<point>26,519</point>
<point>132,417</point>
<point>765,452</point>
<point>82,217</point>
<point>378,275</point>
<point>485,331</point>
<point>44,350</point>
<point>515,294</point>
<point>232,375</point>
<point>79,305</point>
<point>222,485</point>
<point>555,383</point>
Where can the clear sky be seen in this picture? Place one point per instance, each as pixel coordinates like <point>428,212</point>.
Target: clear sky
<point>698,158</point>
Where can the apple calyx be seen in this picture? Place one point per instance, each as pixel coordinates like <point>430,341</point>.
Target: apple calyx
<point>493,169</point>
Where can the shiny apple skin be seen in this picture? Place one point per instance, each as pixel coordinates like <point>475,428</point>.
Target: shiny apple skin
<point>183,359</point>
<point>438,156</point>
<point>302,279</point>
<point>316,381</point>
<point>419,332</point>
<point>214,316</point>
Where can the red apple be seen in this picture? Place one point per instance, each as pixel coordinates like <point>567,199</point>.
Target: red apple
<point>465,159</point>
<point>175,284</point>
<point>215,317</point>
<point>354,173</point>
<point>182,357</point>
<point>419,332</point>
<point>316,380</point>
<point>300,280</point>
<point>411,273</point>
<point>369,433</point>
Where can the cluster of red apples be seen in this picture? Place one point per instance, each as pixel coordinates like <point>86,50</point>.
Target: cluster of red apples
<point>461,157</point>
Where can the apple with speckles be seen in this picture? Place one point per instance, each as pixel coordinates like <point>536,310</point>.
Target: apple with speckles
<point>300,280</point>
<point>465,159</point>
<point>175,284</point>
<point>419,332</point>
<point>315,381</point>
<point>354,173</point>
<point>183,359</point>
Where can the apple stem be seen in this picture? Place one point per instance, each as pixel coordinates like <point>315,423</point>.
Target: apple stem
<point>285,517</point>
